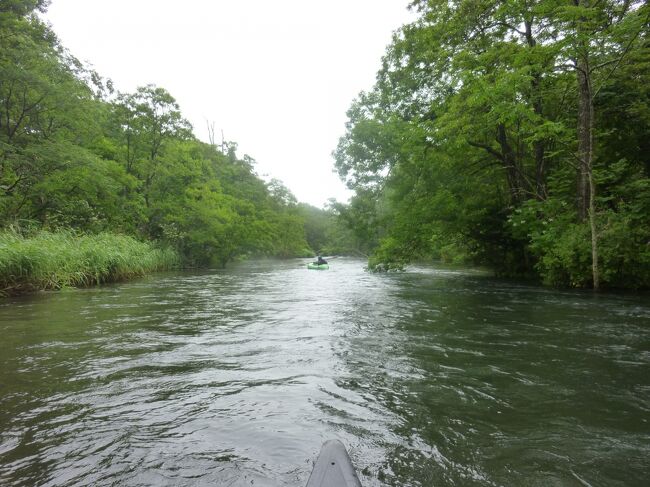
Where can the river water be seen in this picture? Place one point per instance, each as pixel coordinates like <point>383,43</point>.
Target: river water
<point>432,377</point>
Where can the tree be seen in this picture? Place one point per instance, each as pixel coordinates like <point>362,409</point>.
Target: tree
<point>145,123</point>
<point>147,119</point>
<point>599,34</point>
<point>21,8</point>
<point>46,114</point>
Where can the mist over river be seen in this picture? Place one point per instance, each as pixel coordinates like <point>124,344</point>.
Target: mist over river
<point>235,377</point>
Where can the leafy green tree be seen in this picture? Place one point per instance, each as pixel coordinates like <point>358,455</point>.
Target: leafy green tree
<point>596,34</point>
<point>20,8</point>
<point>46,116</point>
<point>202,225</point>
<point>146,120</point>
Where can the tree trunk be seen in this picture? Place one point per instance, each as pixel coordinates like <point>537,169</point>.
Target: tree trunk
<point>585,124</point>
<point>594,235</point>
<point>539,145</point>
<point>586,185</point>
<point>509,161</point>
<point>540,170</point>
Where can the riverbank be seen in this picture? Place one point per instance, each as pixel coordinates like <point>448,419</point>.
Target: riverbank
<point>49,261</point>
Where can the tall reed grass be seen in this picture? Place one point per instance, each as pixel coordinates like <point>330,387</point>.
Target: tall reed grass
<point>49,260</point>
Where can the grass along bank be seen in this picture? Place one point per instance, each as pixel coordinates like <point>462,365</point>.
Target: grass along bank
<point>47,260</point>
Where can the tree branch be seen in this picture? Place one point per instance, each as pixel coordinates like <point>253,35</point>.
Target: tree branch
<point>570,66</point>
<point>618,61</point>
<point>511,27</point>
<point>487,148</point>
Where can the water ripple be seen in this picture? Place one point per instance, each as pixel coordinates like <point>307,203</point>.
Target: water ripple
<point>431,377</point>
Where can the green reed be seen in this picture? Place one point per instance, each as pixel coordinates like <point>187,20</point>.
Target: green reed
<point>56,260</point>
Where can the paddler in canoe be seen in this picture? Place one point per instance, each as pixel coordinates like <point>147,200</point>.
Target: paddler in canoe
<point>320,264</point>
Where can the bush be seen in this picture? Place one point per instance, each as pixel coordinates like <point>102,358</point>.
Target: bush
<point>562,246</point>
<point>388,257</point>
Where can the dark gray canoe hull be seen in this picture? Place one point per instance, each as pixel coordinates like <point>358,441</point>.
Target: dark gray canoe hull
<point>333,467</point>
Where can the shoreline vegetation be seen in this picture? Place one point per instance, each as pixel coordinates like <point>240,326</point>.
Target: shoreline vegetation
<point>479,143</point>
<point>56,260</point>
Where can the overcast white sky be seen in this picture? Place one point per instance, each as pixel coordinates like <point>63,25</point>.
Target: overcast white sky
<point>276,76</point>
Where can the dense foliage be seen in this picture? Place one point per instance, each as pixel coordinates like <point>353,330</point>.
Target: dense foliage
<point>512,134</point>
<point>76,155</point>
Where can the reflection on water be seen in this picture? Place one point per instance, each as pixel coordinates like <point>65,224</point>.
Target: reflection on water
<point>236,377</point>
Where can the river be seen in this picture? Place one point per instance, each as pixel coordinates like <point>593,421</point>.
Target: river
<point>432,377</point>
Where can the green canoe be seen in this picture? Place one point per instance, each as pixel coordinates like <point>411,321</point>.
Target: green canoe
<point>321,267</point>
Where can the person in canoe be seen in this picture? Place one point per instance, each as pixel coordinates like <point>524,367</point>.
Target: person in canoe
<point>320,261</point>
